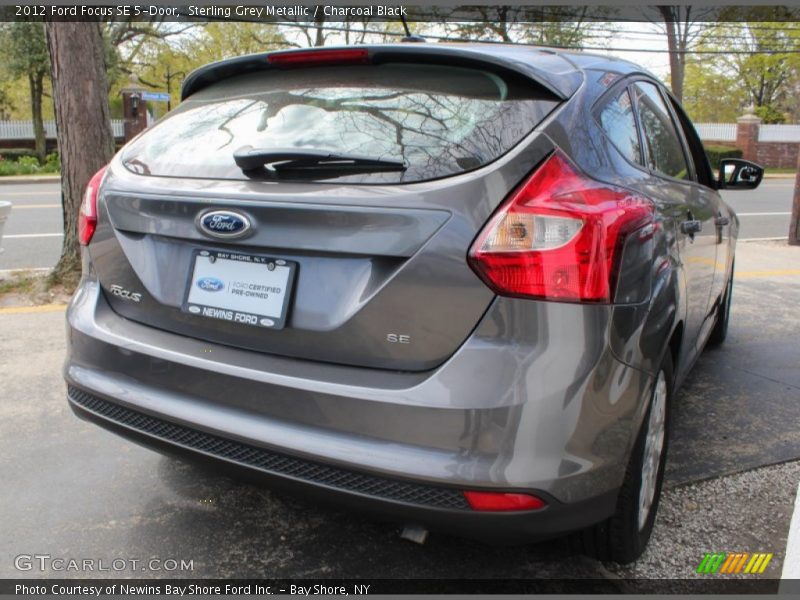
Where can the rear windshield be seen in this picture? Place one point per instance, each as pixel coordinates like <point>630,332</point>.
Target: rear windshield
<point>441,120</point>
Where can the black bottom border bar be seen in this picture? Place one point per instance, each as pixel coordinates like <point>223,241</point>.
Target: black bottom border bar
<point>101,587</point>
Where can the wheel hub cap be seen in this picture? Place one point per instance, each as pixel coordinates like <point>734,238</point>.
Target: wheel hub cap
<point>654,446</point>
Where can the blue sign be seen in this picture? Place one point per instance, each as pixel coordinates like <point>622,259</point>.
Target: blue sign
<point>155,96</point>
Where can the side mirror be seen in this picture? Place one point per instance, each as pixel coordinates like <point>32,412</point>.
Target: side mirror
<point>738,174</point>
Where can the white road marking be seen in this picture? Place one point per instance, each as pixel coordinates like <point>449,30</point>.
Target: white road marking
<point>23,270</point>
<point>765,214</point>
<point>12,194</point>
<point>31,235</point>
<point>764,239</point>
<point>28,206</point>
<point>791,558</point>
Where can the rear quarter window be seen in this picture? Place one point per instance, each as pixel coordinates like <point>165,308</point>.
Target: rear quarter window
<point>617,120</point>
<point>441,120</point>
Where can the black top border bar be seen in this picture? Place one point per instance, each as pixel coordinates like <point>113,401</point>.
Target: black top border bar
<point>413,11</point>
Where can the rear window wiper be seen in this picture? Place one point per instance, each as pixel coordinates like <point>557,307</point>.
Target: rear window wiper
<point>284,160</point>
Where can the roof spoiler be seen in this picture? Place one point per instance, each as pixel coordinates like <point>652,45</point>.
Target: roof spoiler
<point>546,67</point>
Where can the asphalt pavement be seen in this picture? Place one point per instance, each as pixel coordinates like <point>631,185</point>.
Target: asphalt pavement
<point>32,237</point>
<point>72,490</point>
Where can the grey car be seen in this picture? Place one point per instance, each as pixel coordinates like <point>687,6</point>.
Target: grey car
<point>452,285</point>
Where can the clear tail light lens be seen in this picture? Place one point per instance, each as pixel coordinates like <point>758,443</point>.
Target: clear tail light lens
<point>87,217</point>
<point>559,236</point>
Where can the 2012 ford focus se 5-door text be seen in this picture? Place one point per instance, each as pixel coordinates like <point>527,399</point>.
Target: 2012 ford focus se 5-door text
<point>455,285</point>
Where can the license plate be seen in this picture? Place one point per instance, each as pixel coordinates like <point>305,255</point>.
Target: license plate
<point>240,288</point>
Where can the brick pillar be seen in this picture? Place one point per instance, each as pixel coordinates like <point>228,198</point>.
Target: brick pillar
<point>747,127</point>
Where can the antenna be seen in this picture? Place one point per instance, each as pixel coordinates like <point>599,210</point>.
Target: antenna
<point>410,37</point>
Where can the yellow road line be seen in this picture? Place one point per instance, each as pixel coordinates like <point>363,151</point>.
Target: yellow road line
<point>21,310</point>
<point>773,273</point>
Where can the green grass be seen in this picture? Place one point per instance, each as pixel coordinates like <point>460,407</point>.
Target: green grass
<point>19,284</point>
<point>776,171</point>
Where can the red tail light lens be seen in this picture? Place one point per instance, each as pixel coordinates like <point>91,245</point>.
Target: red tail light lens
<point>499,501</point>
<point>558,236</point>
<point>317,58</point>
<point>87,217</point>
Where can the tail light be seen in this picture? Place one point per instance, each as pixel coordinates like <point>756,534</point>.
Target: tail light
<point>501,501</point>
<point>559,236</point>
<point>319,58</point>
<point>87,217</point>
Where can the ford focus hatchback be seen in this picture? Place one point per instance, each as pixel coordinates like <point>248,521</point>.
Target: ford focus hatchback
<point>454,285</point>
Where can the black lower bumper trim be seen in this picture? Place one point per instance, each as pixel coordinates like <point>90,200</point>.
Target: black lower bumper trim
<point>270,461</point>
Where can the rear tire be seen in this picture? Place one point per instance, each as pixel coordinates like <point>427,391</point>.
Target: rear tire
<point>623,537</point>
<point>720,331</point>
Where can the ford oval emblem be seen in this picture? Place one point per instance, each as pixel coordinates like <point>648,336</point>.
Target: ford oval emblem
<point>224,224</point>
<point>210,284</point>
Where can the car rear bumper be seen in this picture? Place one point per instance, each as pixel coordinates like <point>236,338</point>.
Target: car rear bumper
<point>433,506</point>
<point>405,445</point>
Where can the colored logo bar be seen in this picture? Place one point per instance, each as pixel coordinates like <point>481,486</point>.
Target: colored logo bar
<point>735,562</point>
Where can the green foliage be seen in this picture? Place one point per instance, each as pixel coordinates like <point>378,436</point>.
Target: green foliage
<point>24,48</point>
<point>770,114</point>
<point>717,153</point>
<point>29,165</point>
<point>757,63</point>
<point>710,96</point>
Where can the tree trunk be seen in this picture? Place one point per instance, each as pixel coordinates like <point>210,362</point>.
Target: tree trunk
<point>794,224</point>
<point>36,82</point>
<point>676,58</point>
<point>83,122</point>
<point>319,23</point>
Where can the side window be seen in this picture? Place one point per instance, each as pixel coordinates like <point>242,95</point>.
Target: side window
<point>664,148</point>
<point>617,120</point>
<point>702,167</point>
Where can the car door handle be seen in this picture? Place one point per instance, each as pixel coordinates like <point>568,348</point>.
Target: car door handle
<point>691,226</point>
<point>722,221</point>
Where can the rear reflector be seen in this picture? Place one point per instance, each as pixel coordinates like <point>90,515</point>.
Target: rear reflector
<point>559,236</point>
<point>499,501</point>
<point>87,217</point>
<point>317,58</point>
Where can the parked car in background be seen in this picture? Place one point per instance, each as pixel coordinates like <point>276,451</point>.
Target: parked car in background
<point>457,285</point>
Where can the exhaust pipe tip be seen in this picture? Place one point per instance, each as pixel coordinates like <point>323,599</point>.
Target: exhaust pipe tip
<point>414,533</point>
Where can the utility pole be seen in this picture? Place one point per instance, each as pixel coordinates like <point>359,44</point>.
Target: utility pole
<point>168,78</point>
<point>794,224</point>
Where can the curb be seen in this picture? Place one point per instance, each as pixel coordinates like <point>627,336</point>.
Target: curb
<point>17,179</point>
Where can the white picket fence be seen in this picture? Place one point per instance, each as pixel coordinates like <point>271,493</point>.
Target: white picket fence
<point>717,132</point>
<point>726,132</point>
<point>779,133</point>
<point>23,130</point>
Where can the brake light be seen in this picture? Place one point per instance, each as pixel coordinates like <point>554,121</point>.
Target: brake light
<point>87,217</point>
<point>318,58</point>
<point>500,501</point>
<point>559,236</point>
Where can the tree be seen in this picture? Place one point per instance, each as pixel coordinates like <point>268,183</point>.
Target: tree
<point>83,122</point>
<point>711,95</point>
<point>681,26</point>
<point>760,55</point>
<point>549,26</point>
<point>26,54</point>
